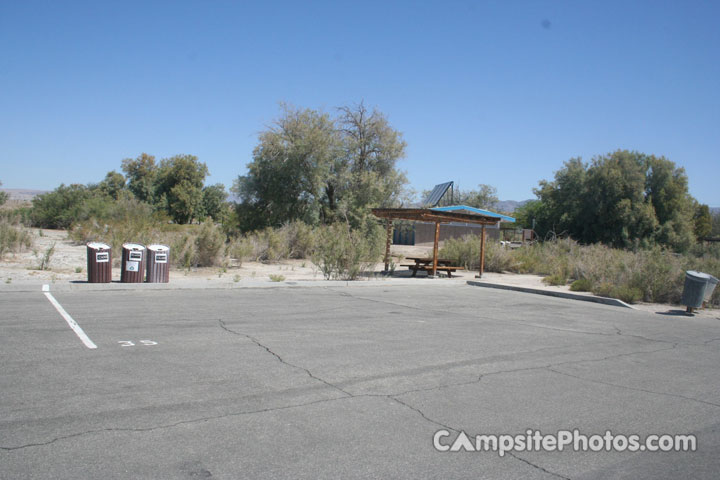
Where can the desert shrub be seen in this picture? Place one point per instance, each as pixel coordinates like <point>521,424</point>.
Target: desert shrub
<point>623,292</point>
<point>556,279</point>
<point>581,285</point>
<point>129,219</point>
<point>126,220</point>
<point>465,252</point>
<point>276,245</point>
<point>13,237</point>
<point>301,239</point>
<point>292,240</point>
<point>342,253</point>
<point>269,245</point>
<point>19,216</point>
<point>183,250</point>
<point>209,245</point>
<point>240,249</point>
<point>652,274</point>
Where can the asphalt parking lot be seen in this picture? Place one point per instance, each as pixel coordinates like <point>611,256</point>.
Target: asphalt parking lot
<point>345,382</point>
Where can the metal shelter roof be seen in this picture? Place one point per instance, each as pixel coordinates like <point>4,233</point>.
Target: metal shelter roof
<point>435,215</point>
<point>479,211</point>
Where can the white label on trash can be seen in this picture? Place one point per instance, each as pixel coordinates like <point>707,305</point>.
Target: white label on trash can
<point>160,258</point>
<point>102,257</point>
<point>135,256</point>
<point>132,266</point>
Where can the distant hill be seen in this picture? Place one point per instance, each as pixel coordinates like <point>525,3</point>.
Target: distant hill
<point>22,194</point>
<point>714,210</point>
<point>509,205</point>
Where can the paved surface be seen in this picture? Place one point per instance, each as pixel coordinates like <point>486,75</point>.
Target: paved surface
<point>345,382</point>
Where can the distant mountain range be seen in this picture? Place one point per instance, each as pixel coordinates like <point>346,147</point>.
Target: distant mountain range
<point>509,205</point>
<point>22,194</point>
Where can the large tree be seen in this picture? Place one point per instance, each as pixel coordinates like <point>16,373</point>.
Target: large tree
<point>311,167</point>
<point>178,187</point>
<point>366,174</point>
<point>141,173</point>
<point>214,202</point>
<point>623,199</point>
<point>703,221</point>
<point>113,184</point>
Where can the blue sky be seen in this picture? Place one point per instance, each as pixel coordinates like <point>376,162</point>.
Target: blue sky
<point>500,93</point>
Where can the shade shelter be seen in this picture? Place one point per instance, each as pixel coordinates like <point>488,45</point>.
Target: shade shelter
<point>438,217</point>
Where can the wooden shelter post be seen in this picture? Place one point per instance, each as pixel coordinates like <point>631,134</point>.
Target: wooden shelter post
<point>435,248</point>
<point>388,240</point>
<point>482,252</point>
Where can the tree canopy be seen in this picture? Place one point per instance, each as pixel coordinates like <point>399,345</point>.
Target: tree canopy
<point>309,166</point>
<point>624,199</point>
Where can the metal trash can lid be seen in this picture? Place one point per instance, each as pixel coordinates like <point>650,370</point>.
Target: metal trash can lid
<point>158,248</point>
<point>98,245</point>
<point>133,246</point>
<point>697,275</point>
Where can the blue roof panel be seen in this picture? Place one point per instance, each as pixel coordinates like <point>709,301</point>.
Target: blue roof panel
<point>479,211</point>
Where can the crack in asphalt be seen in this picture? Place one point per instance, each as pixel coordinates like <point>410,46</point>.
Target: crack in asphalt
<point>419,411</point>
<point>170,425</point>
<point>280,359</point>
<point>394,396</point>
<point>518,457</point>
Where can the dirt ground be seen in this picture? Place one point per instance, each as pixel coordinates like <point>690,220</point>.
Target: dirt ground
<point>68,263</point>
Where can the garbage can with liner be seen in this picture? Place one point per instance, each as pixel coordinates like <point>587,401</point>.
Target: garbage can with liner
<point>133,263</point>
<point>99,262</point>
<point>158,264</point>
<point>694,291</point>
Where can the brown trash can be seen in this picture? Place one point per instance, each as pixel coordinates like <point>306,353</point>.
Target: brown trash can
<point>99,262</point>
<point>158,264</point>
<point>133,263</point>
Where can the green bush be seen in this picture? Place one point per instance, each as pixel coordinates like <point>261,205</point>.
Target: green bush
<point>581,285</point>
<point>342,253</point>
<point>60,208</point>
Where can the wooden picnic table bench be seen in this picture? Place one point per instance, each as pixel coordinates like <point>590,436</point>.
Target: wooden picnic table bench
<point>425,264</point>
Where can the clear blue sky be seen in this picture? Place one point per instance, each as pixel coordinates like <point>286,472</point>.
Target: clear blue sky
<point>485,92</point>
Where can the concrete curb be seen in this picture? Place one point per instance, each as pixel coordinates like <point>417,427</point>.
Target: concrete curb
<point>571,296</point>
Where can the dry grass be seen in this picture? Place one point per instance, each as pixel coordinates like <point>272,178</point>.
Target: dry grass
<point>14,237</point>
<point>653,275</point>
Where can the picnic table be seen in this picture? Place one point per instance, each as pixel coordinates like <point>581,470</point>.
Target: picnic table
<point>426,264</point>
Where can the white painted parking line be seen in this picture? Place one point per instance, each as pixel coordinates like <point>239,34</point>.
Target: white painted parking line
<point>72,323</point>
